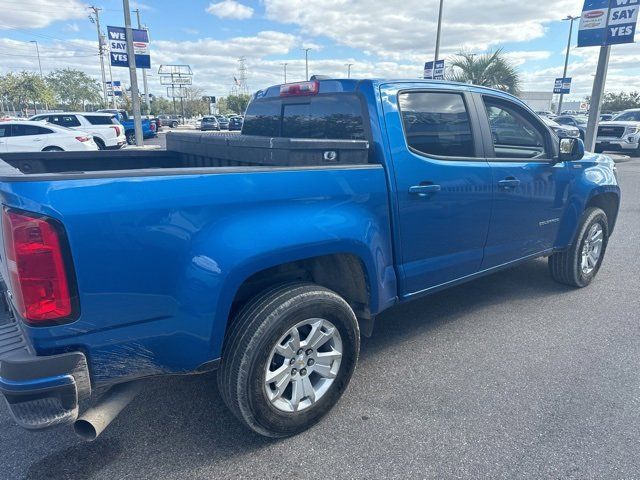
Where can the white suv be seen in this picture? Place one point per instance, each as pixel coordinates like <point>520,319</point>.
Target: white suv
<point>620,134</point>
<point>105,127</point>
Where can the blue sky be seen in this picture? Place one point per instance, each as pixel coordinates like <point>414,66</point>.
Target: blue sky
<point>380,38</point>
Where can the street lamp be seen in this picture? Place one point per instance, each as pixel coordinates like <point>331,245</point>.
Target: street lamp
<point>348,65</point>
<point>284,65</point>
<point>306,62</point>
<point>566,58</point>
<point>437,54</point>
<point>39,65</point>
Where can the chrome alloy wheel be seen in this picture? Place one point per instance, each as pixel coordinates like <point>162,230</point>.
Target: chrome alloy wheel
<point>592,249</point>
<point>303,365</point>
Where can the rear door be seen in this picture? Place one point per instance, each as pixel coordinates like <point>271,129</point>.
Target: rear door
<point>26,138</point>
<point>443,183</point>
<point>530,188</point>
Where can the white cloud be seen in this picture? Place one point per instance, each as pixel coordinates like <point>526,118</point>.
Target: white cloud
<point>230,9</point>
<point>39,13</point>
<point>71,27</point>
<point>406,30</point>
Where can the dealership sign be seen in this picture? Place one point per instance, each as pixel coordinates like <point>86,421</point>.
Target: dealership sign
<point>562,85</point>
<point>429,72</point>
<point>608,22</point>
<point>114,88</point>
<point>118,47</point>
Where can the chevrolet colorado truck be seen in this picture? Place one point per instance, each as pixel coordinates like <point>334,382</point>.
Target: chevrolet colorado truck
<point>266,255</point>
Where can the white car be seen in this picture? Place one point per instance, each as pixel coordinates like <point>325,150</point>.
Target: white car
<point>621,134</point>
<point>28,136</point>
<point>107,131</point>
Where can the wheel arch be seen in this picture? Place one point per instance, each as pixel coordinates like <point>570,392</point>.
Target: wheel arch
<point>609,202</point>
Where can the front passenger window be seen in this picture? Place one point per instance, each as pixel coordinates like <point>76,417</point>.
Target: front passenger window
<point>514,134</point>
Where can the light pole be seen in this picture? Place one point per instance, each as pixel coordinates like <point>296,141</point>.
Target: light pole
<point>284,65</point>
<point>306,62</point>
<point>144,71</point>
<point>437,53</point>
<point>133,77</point>
<point>39,66</point>
<point>566,58</point>
<point>348,65</point>
<point>96,12</point>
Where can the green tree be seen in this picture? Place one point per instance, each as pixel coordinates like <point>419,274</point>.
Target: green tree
<point>237,103</point>
<point>489,70</point>
<point>615,102</point>
<point>25,90</point>
<point>74,89</point>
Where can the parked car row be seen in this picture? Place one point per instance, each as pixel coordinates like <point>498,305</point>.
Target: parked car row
<point>38,136</point>
<point>619,132</point>
<point>220,122</point>
<point>107,131</point>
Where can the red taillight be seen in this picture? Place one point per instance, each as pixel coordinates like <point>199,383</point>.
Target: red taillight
<point>301,88</point>
<point>152,126</point>
<point>117,129</point>
<point>83,139</point>
<point>35,261</point>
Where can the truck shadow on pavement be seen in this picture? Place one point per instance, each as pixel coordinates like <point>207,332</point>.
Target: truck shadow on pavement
<point>184,417</point>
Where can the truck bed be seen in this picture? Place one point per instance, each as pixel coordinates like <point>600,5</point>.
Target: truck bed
<point>185,152</point>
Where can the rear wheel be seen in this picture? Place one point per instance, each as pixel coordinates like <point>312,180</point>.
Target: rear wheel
<point>174,124</point>
<point>288,358</point>
<point>131,137</point>
<point>53,149</point>
<point>579,265</point>
<point>99,143</point>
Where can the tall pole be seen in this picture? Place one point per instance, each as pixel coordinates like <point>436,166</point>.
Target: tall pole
<point>348,69</point>
<point>566,58</point>
<point>284,65</point>
<point>596,98</point>
<point>306,63</point>
<point>96,12</point>
<point>39,66</point>
<point>437,53</point>
<point>144,72</point>
<point>135,95</point>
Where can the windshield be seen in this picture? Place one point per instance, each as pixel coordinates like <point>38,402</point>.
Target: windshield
<point>550,122</point>
<point>580,120</point>
<point>633,116</point>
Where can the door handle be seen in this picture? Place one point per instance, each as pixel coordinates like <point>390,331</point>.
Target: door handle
<point>37,139</point>
<point>424,190</point>
<point>509,183</point>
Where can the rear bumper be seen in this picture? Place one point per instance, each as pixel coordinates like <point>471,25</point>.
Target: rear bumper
<point>41,391</point>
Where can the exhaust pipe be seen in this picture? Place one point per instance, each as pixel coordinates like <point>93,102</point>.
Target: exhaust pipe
<point>93,422</point>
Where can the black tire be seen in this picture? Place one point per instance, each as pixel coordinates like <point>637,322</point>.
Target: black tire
<point>174,124</point>
<point>248,344</point>
<point>53,149</point>
<point>100,144</point>
<point>565,267</point>
<point>131,137</point>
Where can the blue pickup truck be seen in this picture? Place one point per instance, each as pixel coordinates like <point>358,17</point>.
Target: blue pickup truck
<point>267,255</point>
<point>149,126</point>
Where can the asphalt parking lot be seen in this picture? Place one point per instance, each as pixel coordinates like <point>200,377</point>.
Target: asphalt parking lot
<point>509,376</point>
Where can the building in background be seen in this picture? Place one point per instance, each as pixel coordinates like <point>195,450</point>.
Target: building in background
<point>538,101</point>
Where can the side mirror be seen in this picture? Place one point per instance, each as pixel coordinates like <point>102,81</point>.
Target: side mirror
<point>571,149</point>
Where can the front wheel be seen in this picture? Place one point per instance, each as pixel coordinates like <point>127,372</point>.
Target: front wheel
<point>288,358</point>
<point>131,137</point>
<point>579,265</point>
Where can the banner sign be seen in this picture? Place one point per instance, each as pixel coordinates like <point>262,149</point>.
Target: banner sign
<point>562,85</point>
<point>118,47</point>
<point>439,71</point>
<point>114,89</point>
<point>608,22</point>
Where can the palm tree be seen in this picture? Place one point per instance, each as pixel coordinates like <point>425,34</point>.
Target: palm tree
<point>489,70</point>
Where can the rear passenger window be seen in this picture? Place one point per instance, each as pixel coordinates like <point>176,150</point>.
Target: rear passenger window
<point>437,123</point>
<point>64,120</point>
<point>24,130</point>
<point>100,120</point>
<point>262,118</point>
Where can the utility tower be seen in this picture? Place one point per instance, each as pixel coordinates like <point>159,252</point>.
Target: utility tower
<point>242,76</point>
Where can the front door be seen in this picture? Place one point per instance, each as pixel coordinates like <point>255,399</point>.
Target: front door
<point>26,138</point>
<point>442,184</point>
<point>530,189</point>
